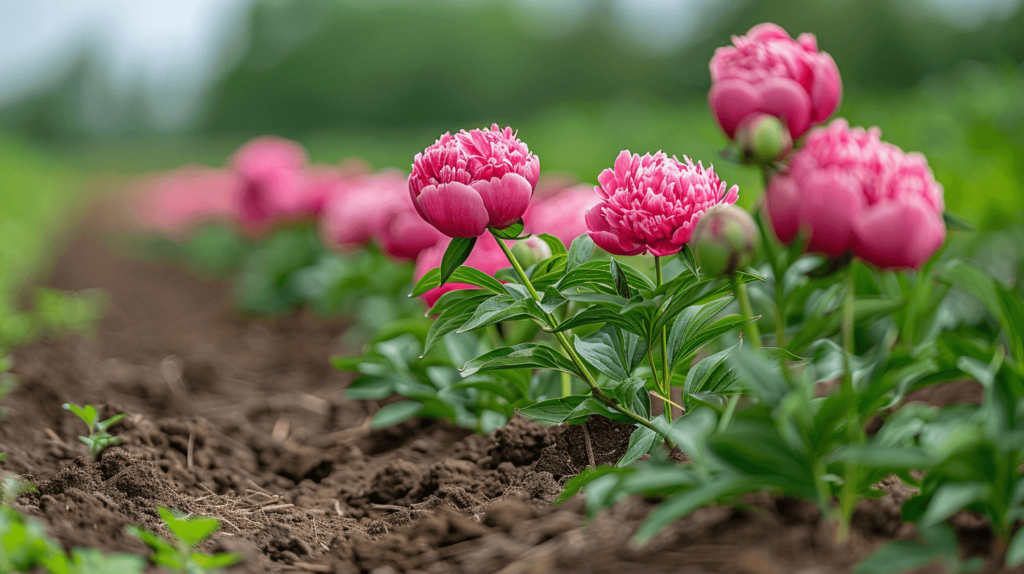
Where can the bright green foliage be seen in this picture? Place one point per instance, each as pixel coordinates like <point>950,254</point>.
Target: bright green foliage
<point>178,554</point>
<point>98,438</point>
<point>396,364</point>
<point>24,547</point>
<point>938,545</point>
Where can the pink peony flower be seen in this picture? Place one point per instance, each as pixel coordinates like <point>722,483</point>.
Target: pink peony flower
<point>767,71</point>
<point>471,180</point>
<point>652,203</point>
<point>175,203</point>
<point>376,207</point>
<point>487,256</point>
<point>562,214</point>
<point>275,186</point>
<point>850,191</point>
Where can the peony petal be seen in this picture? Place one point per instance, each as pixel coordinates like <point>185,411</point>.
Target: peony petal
<point>610,242</point>
<point>455,209</point>
<point>595,219</point>
<point>786,100</point>
<point>783,206</point>
<point>731,101</point>
<point>898,234</point>
<point>505,199</point>
<point>827,89</point>
<point>831,202</point>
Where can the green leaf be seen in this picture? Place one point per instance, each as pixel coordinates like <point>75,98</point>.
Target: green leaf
<point>951,498</point>
<point>496,309</point>
<point>449,321</point>
<point>711,332</point>
<point>458,299</point>
<point>554,243</point>
<point>689,261</point>
<point>599,349</point>
<point>222,560</point>
<point>371,388</point>
<point>104,425</point>
<point>619,277</point>
<point>595,315</point>
<point>395,413</point>
<point>551,300</point>
<point>897,557</point>
<point>461,275</point>
<point>92,561</point>
<point>454,256</point>
<point>524,356</point>
<point>573,487</point>
<point>680,505</point>
<point>511,232</point>
<point>955,222</point>
<point>553,410</point>
<point>193,531</point>
<point>688,322</point>
<point>1015,552</point>
<point>87,414</point>
<point>710,375</point>
<point>594,406</point>
<point>502,390</point>
<point>640,443</point>
<point>580,251</point>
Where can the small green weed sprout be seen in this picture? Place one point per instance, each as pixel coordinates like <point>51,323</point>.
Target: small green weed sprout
<point>98,438</point>
<point>179,554</point>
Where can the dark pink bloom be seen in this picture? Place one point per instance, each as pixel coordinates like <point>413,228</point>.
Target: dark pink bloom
<point>376,207</point>
<point>652,203</point>
<point>471,180</point>
<point>275,186</point>
<point>487,256</point>
<point>849,191</point>
<point>767,71</point>
<point>562,214</point>
<point>176,202</point>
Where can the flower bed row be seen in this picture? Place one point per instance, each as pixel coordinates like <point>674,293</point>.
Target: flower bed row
<point>774,348</point>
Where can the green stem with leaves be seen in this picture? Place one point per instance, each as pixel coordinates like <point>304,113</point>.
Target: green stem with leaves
<point>595,389</point>
<point>750,332</point>
<point>854,429</point>
<point>666,375</point>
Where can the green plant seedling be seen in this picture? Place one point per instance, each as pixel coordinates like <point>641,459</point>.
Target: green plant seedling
<point>179,554</point>
<point>98,438</point>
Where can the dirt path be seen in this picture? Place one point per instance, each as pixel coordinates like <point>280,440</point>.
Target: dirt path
<point>245,420</point>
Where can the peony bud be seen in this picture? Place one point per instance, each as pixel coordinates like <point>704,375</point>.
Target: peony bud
<point>725,240</point>
<point>763,139</point>
<point>531,250</point>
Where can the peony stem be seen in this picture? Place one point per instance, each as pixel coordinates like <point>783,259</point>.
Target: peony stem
<point>666,376</point>
<point>750,330</point>
<point>566,384</point>
<point>595,389</point>
<point>847,500</point>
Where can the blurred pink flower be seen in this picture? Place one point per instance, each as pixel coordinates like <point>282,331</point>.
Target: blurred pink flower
<point>563,213</point>
<point>377,207</point>
<point>466,182</point>
<point>487,256</point>
<point>176,202</point>
<point>767,71</point>
<point>652,203</point>
<point>275,185</point>
<point>850,191</point>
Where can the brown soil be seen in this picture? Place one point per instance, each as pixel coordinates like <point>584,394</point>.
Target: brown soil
<point>243,419</point>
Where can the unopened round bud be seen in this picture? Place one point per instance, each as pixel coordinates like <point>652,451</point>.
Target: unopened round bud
<point>531,250</point>
<point>725,240</point>
<point>763,138</point>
